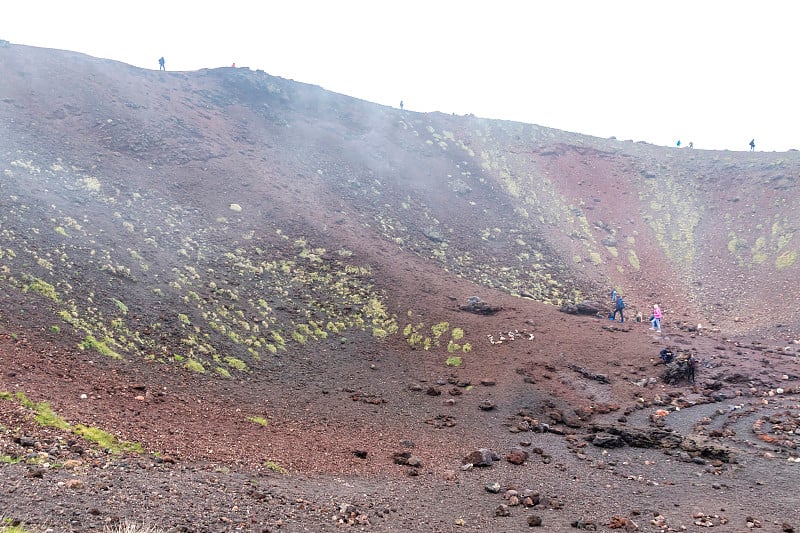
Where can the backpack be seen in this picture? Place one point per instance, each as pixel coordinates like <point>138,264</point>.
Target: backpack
<point>620,303</point>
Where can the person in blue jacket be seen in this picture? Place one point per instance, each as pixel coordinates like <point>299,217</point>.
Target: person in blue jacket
<point>620,305</point>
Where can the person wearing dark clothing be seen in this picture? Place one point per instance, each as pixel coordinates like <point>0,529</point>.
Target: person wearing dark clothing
<point>691,364</point>
<point>667,356</point>
<point>752,144</point>
<point>161,64</point>
<point>620,305</point>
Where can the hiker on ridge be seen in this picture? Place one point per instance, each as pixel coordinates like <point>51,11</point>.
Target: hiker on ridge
<point>752,145</point>
<point>161,63</point>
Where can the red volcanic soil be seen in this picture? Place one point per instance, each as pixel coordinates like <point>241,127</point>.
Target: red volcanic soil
<point>574,414</point>
<point>338,420</point>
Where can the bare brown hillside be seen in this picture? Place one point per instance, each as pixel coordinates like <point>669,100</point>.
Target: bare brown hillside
<point>235,302</point>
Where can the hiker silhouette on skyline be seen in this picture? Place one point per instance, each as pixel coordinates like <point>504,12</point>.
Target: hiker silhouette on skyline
<point>161,63</point>
<point>752,145</point>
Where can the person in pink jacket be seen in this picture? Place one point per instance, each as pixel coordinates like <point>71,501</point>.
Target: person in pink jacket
<point>655,320</point>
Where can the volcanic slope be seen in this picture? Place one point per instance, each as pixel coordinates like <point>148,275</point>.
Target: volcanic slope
<point>254,294</point>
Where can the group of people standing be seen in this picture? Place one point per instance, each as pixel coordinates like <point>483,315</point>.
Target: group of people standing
<point>685,364</point>
<point>619,307</point>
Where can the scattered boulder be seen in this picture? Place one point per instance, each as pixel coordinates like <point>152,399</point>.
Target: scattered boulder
<point>28,442</point>
<point>640,437</point>
<point>486,405</point>
<point>406,459</point>
<point>350,515</point>
<point>74,484</point>
<point>585,308</point>
<point>502,510</point>
<point>606,440</point>
<point>479,307</point>
<point>752,522</point>
<point>623,522</point>
<point>72,464</point>
<point>34,472</point>
<point>481,457</point>
<point>600,378</point>
<point>517,456</point>
<point>535,520</point>
<point>700,446</point>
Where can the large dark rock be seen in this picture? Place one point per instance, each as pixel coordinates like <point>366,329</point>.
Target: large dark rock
<point>535,520</point>
<point>585,307</point>
<point>481,457</point>
<point>606,440</point>
<point>701,446</point>
<point>517,456</point>
<point>640,437</point>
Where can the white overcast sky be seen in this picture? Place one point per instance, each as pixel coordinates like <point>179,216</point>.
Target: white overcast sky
<point>714,72</point>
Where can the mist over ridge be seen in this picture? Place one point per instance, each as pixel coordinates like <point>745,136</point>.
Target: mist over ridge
<point>136,186</point>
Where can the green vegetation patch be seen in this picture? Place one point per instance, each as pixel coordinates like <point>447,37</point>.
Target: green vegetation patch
<point>101,347</point>
<point>8,528</point>
<point>40,286</point>
<point>106,440</point>
<point>121,306</point>
<point>633,259</point>
<point>260,420</point>
<point>438,330</point>
<point>786,259</point>
<point>275,467</point>
<point>44,415</point>
<point>194,365</point>
<point>236,364</point>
